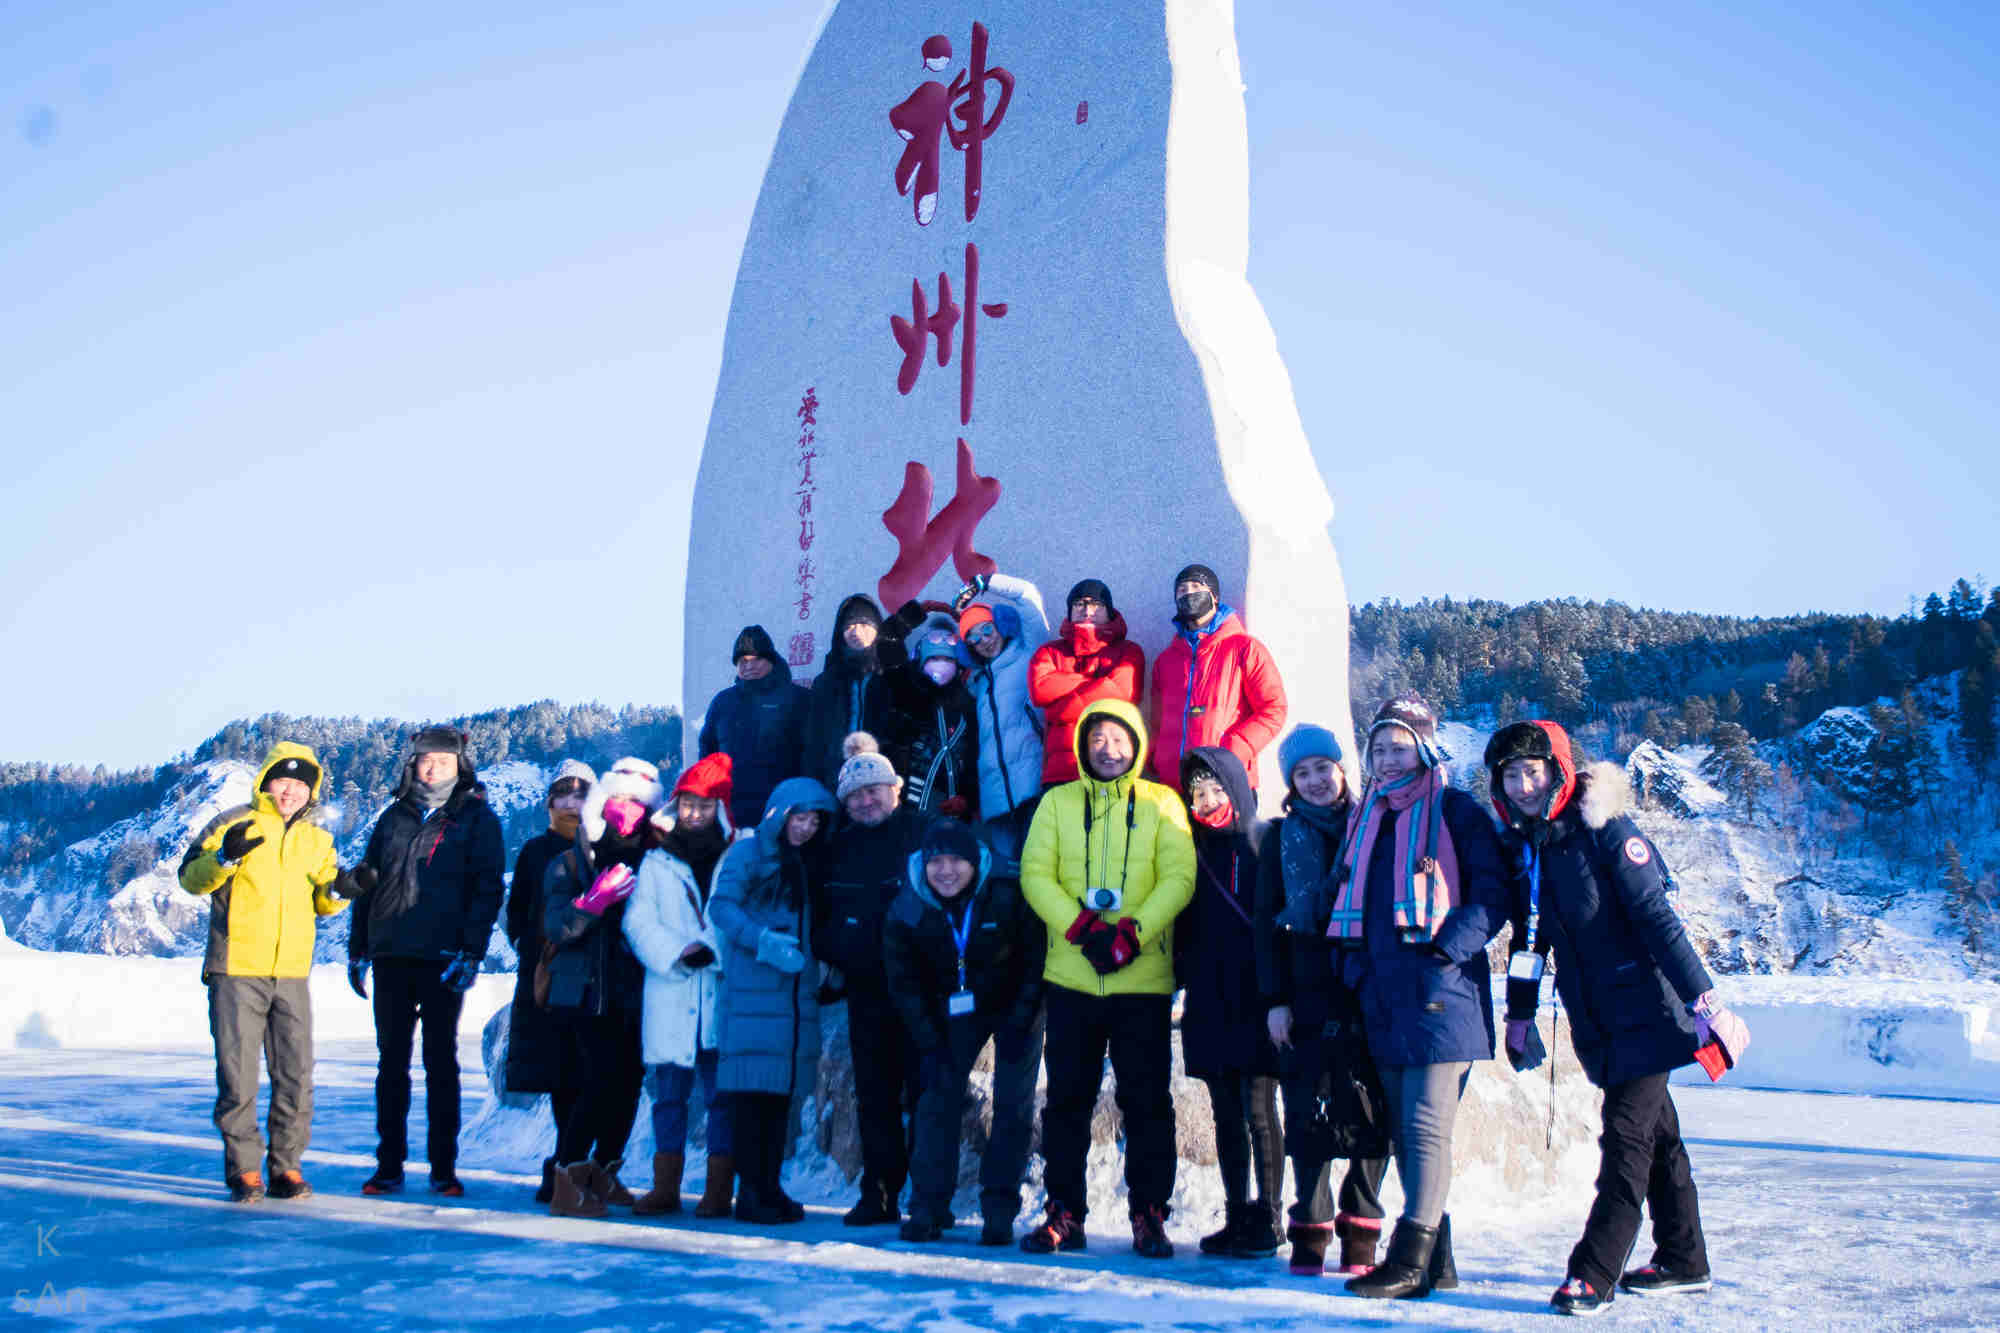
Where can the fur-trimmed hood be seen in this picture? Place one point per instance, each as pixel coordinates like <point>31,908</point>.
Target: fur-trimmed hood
<point>1603,794</point>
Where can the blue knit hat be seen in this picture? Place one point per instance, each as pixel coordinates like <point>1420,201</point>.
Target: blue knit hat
<point>1304,742</point>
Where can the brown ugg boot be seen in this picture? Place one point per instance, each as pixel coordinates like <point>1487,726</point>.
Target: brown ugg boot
<point>665,1196</point>
<point>719,1196</point>
<point>609,1188</point>
<point>574,1195</point>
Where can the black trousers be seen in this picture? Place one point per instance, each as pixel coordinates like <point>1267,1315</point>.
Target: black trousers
<point>1137,1032</point>
<point>759,1120</point>
<point>409,991</point>
<point>885,1083</point>
<point>941,1117</point>
<point>1642,1160</point>
<point>607,1101</point>
<point>1245,1107</point>
<point>1309,1076</point>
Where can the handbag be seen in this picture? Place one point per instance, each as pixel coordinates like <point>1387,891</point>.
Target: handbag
<point>1348,1117</point>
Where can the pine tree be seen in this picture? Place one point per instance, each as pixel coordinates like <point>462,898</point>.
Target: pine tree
<point>1963,901</point>
<point>1976,737</point>
<point>1698,715</point>
<point>1731,707</point>
<point>1735,766</point>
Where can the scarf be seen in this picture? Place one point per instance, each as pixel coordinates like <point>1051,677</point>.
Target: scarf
<point>701,850</point>
<point>431,795</point>
<point>1426,874</point>
<point>1304,843</point>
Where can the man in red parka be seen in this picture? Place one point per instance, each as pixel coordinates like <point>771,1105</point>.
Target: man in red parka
<point>1089,659</point>
<point>1215,684</point>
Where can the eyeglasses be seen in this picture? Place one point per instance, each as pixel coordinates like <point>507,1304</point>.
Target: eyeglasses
<point>1084,606</point>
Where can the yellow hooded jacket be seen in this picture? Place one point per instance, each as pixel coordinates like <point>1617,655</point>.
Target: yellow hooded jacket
<point>262,909</point>
<point>1151,856</point>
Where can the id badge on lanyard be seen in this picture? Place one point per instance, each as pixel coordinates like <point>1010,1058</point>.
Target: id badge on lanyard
<point>1526,964</point>
<point>962,1001</point>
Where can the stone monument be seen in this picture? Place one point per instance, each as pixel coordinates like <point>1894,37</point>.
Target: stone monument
<point>992,313</point>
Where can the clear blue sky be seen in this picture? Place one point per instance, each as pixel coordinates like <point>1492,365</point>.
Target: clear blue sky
<point>353,358</point>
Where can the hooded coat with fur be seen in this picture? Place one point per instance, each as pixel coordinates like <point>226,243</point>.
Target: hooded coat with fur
<point>1215,944</point>
<point>1623,964</point>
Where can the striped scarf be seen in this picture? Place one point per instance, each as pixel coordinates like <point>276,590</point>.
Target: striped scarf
<point>1426,875</point>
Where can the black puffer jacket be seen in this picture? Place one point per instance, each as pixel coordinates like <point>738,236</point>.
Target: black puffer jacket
<point>863,873</point>
<point>536,1059</point>
<point>1215,942</point>
<point>594,971</point>
<point>839,701</point>
<point>761,726</point>
<point>928,731</point>
<point>1004,951</point>
<point>441,877</point>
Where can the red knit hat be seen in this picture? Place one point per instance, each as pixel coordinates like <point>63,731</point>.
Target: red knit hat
<point>710,777</point>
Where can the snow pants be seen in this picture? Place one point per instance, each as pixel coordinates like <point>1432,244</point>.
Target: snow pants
<point>409,991</point>
<point>941,1115</point>
<point>1137,1032</point>
<point>1642,1160</point>
<point>271,1016</point>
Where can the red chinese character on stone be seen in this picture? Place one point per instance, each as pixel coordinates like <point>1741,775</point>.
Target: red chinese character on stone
<point>800,651</point>
<point>921,546</point>
<point>807,407</point>
<point>913,335</point>
<point>805,534</point>
<point>929,112</point>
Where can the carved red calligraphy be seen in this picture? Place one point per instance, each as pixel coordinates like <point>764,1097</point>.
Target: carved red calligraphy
<point>923,542</point>
<point>926,118</point>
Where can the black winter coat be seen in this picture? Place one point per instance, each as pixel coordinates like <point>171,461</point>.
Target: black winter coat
<point>1294,968</point>
<point>761,726</point>
<point>837,707</point>
<point>538,1055</point>
<point>1432,1003</point>
<point>863,872</point>
<point>1623,964</point>
<point>441,879</point>
<point>1006,945</point>
<point>594,972</point>
<point>929,732</point>
<point>1215,940</point>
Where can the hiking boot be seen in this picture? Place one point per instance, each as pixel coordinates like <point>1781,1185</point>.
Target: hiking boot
<point>1061,1231</point>
<point>716,1196</point>
<point>1358,1236</point>
<point>997,1230</point>
<point>876,1206</point>
<point>1657,1280</point>
<point>1406,1273</point>
<point>386,1180</point>
<point>246,1187</point>
<point>575,1192</point>
<point>1149,1232</point>
<point>448,1184</point>
<point>1578,1297</point>
<point>1309,1241</point>
<point>290,1185</point>
<point>548,1189</point>
<point>665,1196</point>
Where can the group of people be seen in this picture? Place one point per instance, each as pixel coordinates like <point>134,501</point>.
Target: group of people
<point>968,832</point>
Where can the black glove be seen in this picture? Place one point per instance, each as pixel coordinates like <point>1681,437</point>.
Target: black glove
<point>933,1070</point>
<point>357,976</point>
<point>358,882</point>
<point>237,843</point>
<point>908,617</point>
<point>698,957</point>
<point>1532,1052</point>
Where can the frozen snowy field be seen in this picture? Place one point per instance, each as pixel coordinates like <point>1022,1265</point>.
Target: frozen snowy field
<point>1823,1211</point>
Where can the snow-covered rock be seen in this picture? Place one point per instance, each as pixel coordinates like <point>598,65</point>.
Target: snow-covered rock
<point>1662,777</point>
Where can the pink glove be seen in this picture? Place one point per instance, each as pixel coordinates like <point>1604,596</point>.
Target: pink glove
<point>1517,1035</point>
<point>1714,1022</point>
<point>623,814</point>
<point>611,886</point>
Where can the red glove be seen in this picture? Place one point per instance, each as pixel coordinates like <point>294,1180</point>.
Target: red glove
<point>1125,943</point>
<point>954,807</point>
<point>1085,923</point>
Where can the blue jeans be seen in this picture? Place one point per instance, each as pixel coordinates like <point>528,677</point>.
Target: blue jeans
<point>671,1086</point>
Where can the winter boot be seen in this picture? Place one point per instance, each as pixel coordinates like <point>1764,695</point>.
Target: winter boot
<point>575,1193</point>
<point>386,1180</point>
<point>716,1196</point>
<point>1578,1297</point>
<point>1406,1273</point>
<point>608,1185</point>
<point>1444,1273</point>
<point>997,1230</point>
<point>548,1190</point>
<point>447,1184</point>
<point>246,1187</point>
<point>1309,1242</point>
<point>1222,1244</point>
<point>1060,1231</point>
<point>1357,1242</point>
<point>922,1229</point>
<point>789,1209</point>
<point>1652,1280</point>
<point>1257,1237</point>
<point>665,1196</point>
<point>759,1207</point>
<point>290,1185</point>
<point>876,1206</point>
<point>1149,1232</point>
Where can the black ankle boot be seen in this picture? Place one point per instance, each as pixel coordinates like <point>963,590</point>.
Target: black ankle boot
<point>548,1189</point>
<point>1223,1243</point>
<point>1406,1273</point>
<point>1444,1273</point>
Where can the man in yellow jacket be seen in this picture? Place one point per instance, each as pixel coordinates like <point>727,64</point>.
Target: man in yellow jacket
<point>1108,865</point>
<point>268,872</point>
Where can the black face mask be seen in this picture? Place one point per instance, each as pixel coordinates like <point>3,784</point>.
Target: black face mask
<point>1195,605</point>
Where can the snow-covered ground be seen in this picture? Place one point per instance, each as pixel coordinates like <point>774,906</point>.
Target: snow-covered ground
<point>1825,1211</point>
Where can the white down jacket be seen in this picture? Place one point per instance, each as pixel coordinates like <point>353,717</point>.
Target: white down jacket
<point>662,919</point>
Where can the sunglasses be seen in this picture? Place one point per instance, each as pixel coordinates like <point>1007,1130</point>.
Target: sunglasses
<point>981,633</point>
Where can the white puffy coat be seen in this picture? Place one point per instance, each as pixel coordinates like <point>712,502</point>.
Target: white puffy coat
<point>682,1003</point>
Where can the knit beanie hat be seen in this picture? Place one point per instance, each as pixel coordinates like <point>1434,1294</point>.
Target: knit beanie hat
<point>949,837</point>
<point>293,767</point>
<point>1200,574</point>
<point>753,642</point>
<point>1305,741</point>
<point>1413,715</point>
<point>712,778</point>
<point>1091,588</point>
<point>864,766</point>
<point>573,777</point>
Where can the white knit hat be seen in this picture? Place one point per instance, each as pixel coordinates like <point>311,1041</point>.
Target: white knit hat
<point>865,766</point>
<point>632,778</point>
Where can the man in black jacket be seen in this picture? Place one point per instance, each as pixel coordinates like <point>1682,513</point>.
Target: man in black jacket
<point>840,692</point>
<point>874,836</point>
<point>432,881</point>
<point>759,722</point>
